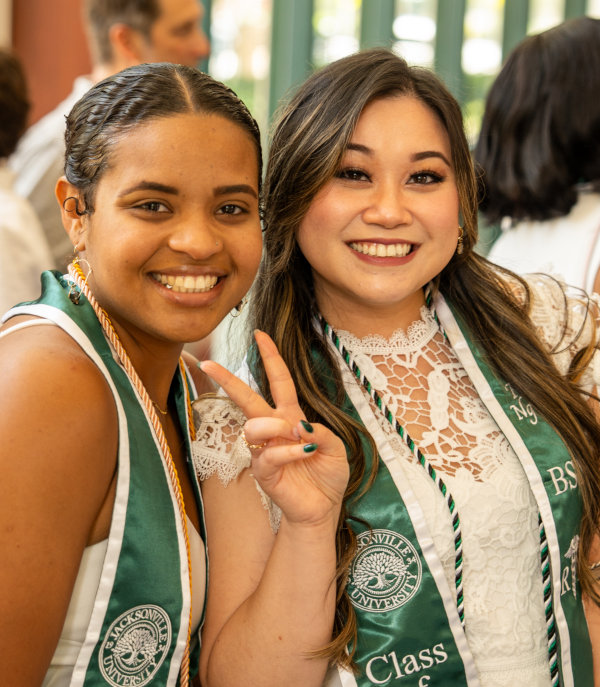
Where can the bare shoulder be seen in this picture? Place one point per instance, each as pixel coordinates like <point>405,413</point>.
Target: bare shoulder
<point>57,408</point>
<point>58,452</point>
<point>48,360</point>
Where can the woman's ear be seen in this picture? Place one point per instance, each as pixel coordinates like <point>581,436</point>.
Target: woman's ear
<point>71,206</point>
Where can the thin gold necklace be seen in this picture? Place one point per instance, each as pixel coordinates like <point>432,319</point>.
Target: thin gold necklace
<point>160,410</point>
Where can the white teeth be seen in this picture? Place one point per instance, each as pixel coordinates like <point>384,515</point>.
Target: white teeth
<point>382,250</point>
<point>187,283</point>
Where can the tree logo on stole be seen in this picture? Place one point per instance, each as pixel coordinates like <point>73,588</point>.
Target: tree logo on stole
<point>386,571</point>
<point>135,646</point>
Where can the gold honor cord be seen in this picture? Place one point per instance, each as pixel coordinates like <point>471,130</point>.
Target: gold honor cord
<point>79,278</point>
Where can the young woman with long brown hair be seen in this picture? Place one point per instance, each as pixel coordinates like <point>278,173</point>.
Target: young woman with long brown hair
<point>466,538</point>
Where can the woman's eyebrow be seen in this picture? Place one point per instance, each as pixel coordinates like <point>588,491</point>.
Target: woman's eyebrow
<point>150,186</point>
<point>430,153</point>
<point>235,188</point>
<point>360,148</point>
<point>423,155</point>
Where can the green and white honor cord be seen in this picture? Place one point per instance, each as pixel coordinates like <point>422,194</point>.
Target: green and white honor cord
<point>431,471</point>
<point>548,610</point>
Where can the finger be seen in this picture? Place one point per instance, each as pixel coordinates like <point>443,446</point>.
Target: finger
<point>248,441</point>
<point>273,458</point>
<point>251,403</point>
<point>328,443</point>
<point>281,384</point>
<point>259,430</point>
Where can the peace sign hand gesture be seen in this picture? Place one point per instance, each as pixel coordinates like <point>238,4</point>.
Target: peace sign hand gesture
<point>303,468</point>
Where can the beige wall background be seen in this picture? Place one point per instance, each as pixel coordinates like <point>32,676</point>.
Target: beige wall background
<point>5,23</point>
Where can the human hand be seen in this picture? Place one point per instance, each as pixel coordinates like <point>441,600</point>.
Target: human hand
<point>303,468</point>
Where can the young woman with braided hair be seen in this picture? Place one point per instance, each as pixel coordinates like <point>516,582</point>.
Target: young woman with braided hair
<point>103,568</point>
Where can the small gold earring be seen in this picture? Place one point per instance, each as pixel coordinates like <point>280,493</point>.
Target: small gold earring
<point>236,310</point>
<point>459,243</point>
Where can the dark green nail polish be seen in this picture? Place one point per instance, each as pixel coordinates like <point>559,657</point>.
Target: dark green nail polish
<point>307,426</point>
<point>310,448</point>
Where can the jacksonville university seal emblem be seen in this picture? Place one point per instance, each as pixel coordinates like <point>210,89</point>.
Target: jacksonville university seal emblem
<point>135,646</point>
<point>386,571</point>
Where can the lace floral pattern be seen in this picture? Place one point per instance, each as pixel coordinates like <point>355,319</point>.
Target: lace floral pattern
<point>424,384</point>
<point>420,379</point>
<point>566,320</point>
<point>219,448</point>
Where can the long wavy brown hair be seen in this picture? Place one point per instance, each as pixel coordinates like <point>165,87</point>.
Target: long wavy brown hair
<point>309,140</point>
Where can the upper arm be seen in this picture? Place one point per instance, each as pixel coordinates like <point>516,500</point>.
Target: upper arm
<point>201,381</point>
<point>58,442</point>
<point>239,541</point>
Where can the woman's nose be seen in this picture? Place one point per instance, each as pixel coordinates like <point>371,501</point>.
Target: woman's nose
<point>196,238</point>
<point>387,207</point>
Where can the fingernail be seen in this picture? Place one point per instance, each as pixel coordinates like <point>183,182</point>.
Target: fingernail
<point>307,426</point>
<point>310,448</point>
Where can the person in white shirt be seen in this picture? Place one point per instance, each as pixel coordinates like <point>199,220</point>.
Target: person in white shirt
<point>539,150</point>
<point>101,522</point>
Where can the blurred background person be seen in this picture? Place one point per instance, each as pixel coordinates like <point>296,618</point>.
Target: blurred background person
<point>539,148</point>
<point>24,251</point>
<point>120,33</point>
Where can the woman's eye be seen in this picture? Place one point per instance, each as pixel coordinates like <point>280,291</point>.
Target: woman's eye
<point>353,174</point>
<point>231,209</point>
<point>152,206</point>
<point>426,178</point>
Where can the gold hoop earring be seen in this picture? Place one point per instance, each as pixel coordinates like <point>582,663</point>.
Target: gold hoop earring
<point>459,243</point>
<point>236,310</point>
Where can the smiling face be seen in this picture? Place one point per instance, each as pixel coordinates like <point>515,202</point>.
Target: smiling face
<point>174,241</point>
<point>386,223</point>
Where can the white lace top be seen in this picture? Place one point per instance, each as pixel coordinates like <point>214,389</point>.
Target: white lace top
<point>419,377</point>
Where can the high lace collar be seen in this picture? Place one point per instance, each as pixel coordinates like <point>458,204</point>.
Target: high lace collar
<point>418,334</point>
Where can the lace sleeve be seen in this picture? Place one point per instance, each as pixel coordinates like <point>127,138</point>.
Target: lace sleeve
<point>567,320</point>
<point>219,448</point>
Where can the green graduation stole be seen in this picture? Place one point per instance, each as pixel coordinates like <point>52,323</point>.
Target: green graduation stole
<point>410,622</point>
<point>138,629</point>
<point>549,468</point>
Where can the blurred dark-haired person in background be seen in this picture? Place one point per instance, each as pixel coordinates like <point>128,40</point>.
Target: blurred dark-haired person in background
<point>24,251</point>
<point>539,148</point>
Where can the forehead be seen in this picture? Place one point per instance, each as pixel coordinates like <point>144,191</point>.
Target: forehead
<point>186,148</point>
<point>174,12</point>
<point>401,116</point>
